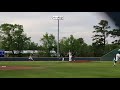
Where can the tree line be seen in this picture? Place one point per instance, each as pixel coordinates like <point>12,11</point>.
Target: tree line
<point>12,37</point>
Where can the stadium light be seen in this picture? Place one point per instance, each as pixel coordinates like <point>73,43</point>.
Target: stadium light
<point>58,18</point>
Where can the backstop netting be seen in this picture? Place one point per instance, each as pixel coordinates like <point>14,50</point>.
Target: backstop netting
<point>109,56</point>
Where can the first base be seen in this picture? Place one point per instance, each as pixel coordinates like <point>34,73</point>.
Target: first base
<point>3,66</point>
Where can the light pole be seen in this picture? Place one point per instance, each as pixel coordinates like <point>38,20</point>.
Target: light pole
<point>58,18</point>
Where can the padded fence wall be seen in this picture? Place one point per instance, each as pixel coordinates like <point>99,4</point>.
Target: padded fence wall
<point>47,58</point>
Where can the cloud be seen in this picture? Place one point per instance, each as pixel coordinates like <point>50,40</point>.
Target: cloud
<point>36,24</point>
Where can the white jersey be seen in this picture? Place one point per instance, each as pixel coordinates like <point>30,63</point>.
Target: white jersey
<point>117,57</point>
<point>30,57</point>
<point>70,56</point>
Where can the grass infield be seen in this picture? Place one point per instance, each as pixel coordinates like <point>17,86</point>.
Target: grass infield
<point>59,69</point>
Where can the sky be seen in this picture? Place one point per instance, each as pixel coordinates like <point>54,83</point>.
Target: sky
<point>36,24</point>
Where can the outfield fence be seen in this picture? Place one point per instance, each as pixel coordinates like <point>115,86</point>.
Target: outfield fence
<point>47,58</point>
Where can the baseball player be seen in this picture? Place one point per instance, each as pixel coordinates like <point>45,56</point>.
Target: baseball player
<point>70,56</point>
<point>30,58</point>
<point>116,58</point>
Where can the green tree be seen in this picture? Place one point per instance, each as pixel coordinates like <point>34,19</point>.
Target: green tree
<point>81,47</point>
<point>48,42</point>
<point>1,40</point>
<point>115,33</point>
<point>101,33</point>
<point>13,37</point>
<point>76,46</point>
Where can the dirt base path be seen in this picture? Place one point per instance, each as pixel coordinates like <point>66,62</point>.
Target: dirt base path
<point>14,67</point>
<point>80,61</point>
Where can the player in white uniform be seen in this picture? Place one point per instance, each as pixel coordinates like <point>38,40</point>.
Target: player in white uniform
<point>70,56</point>
<point>116,58</point>
<point>30,58</point>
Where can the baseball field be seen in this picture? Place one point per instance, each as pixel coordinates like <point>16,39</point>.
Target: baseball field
<point>59,69</point>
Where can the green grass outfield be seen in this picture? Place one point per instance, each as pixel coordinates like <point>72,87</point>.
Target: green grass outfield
<point>59,69</point>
